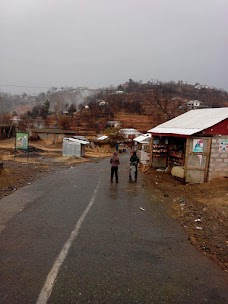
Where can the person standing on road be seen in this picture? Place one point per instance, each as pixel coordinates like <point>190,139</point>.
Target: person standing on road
<point>114,161</point>
<point>134,160</point>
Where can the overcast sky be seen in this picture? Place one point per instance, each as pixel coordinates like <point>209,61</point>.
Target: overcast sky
<point>97,43</point>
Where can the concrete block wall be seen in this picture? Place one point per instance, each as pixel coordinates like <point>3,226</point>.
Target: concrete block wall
<point>218,164</point>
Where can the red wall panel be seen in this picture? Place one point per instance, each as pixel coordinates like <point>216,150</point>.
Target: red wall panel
<point>220,128</point>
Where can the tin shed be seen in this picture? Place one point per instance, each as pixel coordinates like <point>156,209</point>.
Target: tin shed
<point>73,147</point>
<point>196,141</point>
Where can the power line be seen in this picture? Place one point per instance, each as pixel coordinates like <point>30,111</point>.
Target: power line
<point>24,86</point>
<point>35,87</point>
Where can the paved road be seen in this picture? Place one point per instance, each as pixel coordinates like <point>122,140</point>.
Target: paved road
<point>73,237</point>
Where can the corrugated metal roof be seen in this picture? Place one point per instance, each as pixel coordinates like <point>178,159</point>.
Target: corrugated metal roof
<point>130,131</point>
<point>142,138</point>
<point>79,141</point>
<point>192,122</point>
<point>81,137</point>
<point>102,137</point>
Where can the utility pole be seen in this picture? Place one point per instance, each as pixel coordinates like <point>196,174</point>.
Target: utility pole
<point>0,109</point>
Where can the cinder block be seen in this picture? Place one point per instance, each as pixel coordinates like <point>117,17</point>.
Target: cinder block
<point>223,155</point>
<point>217,169</point>
<point>215,146</point>
<point>218,160</point>
<point>222,174</point>
<point>216,155</point>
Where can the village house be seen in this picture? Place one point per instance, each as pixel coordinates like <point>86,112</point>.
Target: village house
<point>38,123</point>
<point>15,120</point>
<point>195,104</point>
<point>51,134</point>
<point>101,143</point>
<point>114,124</point>
<point>101,102</point>
<point>129,135</point>
<point>194,145</point>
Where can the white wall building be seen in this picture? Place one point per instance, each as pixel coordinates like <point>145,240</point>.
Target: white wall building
<point>130,133</point>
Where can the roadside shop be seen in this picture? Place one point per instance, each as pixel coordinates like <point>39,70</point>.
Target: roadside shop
<point>193,146</point>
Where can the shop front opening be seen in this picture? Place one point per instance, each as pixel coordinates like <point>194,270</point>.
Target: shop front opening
<point>168,151</point>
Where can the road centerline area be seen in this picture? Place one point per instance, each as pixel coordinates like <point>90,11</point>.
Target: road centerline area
<point>50,281</point>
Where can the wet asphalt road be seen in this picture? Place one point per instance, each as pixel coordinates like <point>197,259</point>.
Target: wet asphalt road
<point>121,254</point>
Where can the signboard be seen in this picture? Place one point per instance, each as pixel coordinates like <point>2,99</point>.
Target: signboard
<point>223,145</point>
<point>21,140</point>
<point>197,145</point>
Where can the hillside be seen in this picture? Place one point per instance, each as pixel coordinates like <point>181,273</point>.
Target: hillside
<point>140,122</point>
<point>135,104</point>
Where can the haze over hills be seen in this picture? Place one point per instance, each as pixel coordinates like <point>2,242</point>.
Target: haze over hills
<point>134,104</point>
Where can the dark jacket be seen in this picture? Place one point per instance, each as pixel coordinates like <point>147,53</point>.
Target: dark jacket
<point>134,159</point>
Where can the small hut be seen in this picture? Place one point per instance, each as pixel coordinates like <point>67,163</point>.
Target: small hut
<point>74,147</point>
<point>101,143</point>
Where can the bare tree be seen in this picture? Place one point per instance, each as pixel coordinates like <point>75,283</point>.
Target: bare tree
<point>165,104</point>
<point>116,137</point>
<point>64,122</point>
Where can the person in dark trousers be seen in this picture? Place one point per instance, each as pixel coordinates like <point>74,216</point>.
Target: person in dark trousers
<point>114,161</point>
<point>134,160</point>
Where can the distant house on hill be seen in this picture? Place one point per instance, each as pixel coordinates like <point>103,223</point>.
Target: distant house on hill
<point>15,120</point>
<point>39,123</point>
<point>101,103</point>
<point>129,135</point>
<point>114,124</point>
<point>195,104</point>
<point>120,92</point>
<point>201,86</point>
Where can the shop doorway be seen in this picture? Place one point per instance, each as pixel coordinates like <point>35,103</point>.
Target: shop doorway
<point>197,159</point>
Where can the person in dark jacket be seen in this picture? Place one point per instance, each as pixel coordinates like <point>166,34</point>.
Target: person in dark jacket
<point>114,161</point>
<point>134,161</point>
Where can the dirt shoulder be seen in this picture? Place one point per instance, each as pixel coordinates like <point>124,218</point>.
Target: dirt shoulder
<point>20,169</point>
<point>202,209</point>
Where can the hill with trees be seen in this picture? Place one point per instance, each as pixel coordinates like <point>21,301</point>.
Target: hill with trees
<point>135,104</point>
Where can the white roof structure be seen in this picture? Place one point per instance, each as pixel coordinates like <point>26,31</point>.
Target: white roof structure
<point>192,122</point>
<point>130,131</point>
<point>143,138</point>
<point>103,137</point>
<point>81,137</point>
<point>79,141</point>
